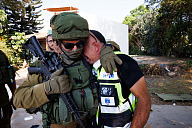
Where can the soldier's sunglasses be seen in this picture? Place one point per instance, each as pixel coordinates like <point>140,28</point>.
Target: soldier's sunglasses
<point>79,44</point>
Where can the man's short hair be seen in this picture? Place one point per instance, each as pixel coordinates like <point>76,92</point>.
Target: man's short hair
<point>47,37</point>
<point>99,36</point>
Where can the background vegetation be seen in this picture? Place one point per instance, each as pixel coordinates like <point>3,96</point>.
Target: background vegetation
<point>163,28</point>
<point>160,27</point>
<point>17,19</point>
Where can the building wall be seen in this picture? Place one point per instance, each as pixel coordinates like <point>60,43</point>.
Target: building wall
<point>112,31</point>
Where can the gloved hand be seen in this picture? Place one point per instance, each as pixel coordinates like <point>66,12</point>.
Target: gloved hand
<point>108,59</point>
<point>58,83</point>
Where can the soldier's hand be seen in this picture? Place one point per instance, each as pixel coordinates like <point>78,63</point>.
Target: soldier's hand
<point>108,59</point>
<point>58,83</point>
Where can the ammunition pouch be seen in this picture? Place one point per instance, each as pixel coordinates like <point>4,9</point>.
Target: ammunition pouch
<point>59,113</point>
<point>83,95</point>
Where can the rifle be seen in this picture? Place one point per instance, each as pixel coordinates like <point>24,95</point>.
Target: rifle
<point>49,66</point>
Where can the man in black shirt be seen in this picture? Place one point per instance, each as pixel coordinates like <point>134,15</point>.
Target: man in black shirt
<point>124,98</point>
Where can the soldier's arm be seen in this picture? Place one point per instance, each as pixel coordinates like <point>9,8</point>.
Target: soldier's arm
<point>30,94</point>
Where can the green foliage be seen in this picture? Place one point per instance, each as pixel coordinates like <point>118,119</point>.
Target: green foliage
<point>22,18</point>
<point>135,34</point>
<point>22,15</point>
<point>15,48</point>
<point>130,20</point>
<point>140,33</point>
<point>165,31</point>
<point>3,23</point>
<point>4,48</point>
<point>175,26</point>
<point>134,50</point>
<point>135,14</point>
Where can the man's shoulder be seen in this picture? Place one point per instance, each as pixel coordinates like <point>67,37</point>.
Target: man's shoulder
<point>126,58</point>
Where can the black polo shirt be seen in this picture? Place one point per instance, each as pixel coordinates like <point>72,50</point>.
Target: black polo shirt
<point>129,73</point>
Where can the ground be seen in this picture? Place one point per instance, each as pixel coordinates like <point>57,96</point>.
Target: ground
<point>160,82</point>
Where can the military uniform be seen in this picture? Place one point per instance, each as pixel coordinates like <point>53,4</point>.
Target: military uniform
<point>31,93</point>
<point>6,74</point>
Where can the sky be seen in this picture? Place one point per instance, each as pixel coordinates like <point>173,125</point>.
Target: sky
<point>115,10</point>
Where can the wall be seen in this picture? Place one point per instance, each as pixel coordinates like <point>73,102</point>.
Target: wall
<point>111,30</point>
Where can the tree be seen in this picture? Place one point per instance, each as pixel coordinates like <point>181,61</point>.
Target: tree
<point>135,14</point>
<point>154,4</point>
<point>132,20</point>
<point>3,23</point>
<point>22,15</point>
<point>175,27</point>
<point>22,19</point>
<point>141,31</point>
<point>171,32</point>
<point>3,38</point>
<point>15,47</point>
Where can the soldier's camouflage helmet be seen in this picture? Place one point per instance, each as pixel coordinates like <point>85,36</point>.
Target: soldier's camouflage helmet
<point>114,44</point>
<point>69,26</point>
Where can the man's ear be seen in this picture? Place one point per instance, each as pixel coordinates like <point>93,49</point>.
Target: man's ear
<point>96,46</point>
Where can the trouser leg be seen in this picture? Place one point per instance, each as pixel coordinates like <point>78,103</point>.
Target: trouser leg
<point>5,116</point>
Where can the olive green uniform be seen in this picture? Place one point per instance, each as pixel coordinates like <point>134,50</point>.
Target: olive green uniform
<point>29,94</point>
<point>5,106</point>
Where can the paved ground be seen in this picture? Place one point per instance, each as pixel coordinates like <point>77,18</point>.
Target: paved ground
<point>21,119</point>
<point>163,116</point>
<point>170,116</point>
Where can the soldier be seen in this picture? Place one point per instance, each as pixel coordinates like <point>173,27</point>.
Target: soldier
<point>7,76</point>
<point>70,32</point>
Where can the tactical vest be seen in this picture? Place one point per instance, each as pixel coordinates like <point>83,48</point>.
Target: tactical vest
<point>56,112</point>
<point>113,110</point>
<point>7,72</point>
